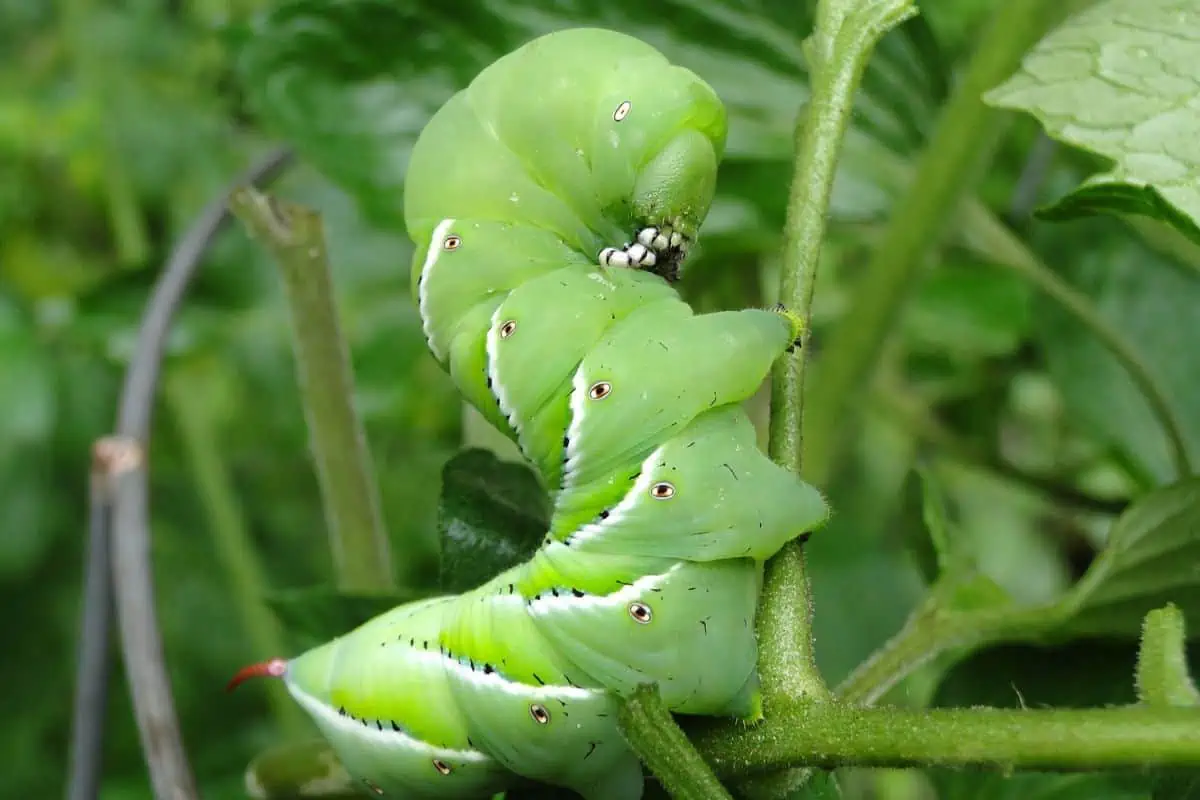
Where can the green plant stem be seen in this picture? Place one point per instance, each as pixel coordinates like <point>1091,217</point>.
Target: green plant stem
<point>933,630</point>
<point>838,51</point>
<point>648,726</point>
<point>936,628</point>
<point>1009,252</point>
<point>836,735</point>
<point>1162,677</point>
<point>234,548</point>
<point>349,490</point>
<point>961,144</point>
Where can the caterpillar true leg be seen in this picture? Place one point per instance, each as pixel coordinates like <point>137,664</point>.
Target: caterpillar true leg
<point>658,249</point>
<point>631,255</point>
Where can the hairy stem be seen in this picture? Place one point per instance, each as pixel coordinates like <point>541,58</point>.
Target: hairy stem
<point>836,735</point>
<point>1162,677</point>
<point>647,724</point>
<point>349,491</point>
<point>931,631</point>
<point>962,142</point>
<point>838,51</point>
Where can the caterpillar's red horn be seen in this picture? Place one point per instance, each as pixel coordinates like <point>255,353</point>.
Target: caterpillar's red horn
<point>264,669</point>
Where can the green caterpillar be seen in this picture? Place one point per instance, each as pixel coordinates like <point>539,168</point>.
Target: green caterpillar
<point>552,202</point>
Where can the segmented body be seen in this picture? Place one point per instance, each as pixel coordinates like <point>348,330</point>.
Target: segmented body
<point>524,189</point>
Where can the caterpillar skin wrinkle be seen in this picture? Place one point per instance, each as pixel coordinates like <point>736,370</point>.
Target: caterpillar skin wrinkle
<point>552,202</point>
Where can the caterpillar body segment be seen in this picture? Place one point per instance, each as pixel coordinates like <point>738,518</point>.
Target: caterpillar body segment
<point>468,263</point>
<point>552,203</point>
<point>727,499</point>
<point>531,383</point>
<point>698,604</point>
<point>650,378</point>
<point>396,737</point>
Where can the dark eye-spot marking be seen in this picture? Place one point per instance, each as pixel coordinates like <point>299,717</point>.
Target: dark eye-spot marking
<point>451,242</point>
<point>640,613</point>
<point>662,491</point>
<point>539,713</point>
<point>506,330</point>
<point>622,111</point>
<point>600,390</point>
<point>442,766</point>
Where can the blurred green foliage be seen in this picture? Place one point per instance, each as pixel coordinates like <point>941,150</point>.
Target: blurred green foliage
<point>119,121</point>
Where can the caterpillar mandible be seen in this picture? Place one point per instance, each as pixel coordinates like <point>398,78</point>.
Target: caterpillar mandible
<point>552,202</point>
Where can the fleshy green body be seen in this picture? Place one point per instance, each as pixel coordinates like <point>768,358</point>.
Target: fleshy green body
<point>625,401</point>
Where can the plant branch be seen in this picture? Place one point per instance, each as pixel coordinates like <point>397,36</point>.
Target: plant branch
<point>133,421</point>
<point>961,144</point>
<point>170,774</point>
<point>295,236</point>
<point>935,629</point>
<point>1009,252</point>
<point>838,51</point>
<point>837,735</point>
<point>647,724</point>
<point>95,659</point>
<point>1162,677</point>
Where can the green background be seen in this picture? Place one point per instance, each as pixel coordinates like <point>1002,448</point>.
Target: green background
<point>119,121</point>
